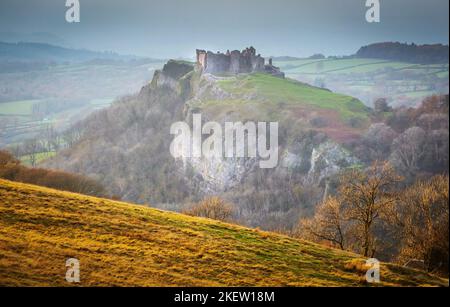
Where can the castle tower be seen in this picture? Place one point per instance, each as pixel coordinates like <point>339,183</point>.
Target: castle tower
<point>234,62</point>
<point>201,58</point>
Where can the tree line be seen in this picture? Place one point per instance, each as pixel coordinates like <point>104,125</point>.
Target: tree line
<point>373,214</point>
<point>11,169</point>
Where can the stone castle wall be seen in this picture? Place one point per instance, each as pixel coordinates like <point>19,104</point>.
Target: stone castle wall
<point>233,62</point>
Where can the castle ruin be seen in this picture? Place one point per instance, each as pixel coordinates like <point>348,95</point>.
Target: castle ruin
<point>235,62</point>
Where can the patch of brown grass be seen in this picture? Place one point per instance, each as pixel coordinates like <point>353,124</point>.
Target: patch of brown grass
<point>120,244</point>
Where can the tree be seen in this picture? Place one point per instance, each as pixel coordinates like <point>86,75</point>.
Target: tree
<point>409,149</point>
<point>11,169</point>
<point>363,201</point>
<point>423,217</point>
<point>327,224</point>
<point>377,142</point>
<point>213,208</point>
<point>381,105</point>
<point>6,159</point>
<point>9,166</point>
<point>32,149</point>
<point>366,196</point>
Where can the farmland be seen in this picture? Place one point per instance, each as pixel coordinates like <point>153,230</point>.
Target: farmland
<point>369,79</point>
<point>59,95</point>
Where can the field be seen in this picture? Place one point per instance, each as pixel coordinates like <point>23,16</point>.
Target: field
<point>20,121</point>
<point>327,66</point>
<point>26,159</point>
<point>17,108</point>
<point>286,91</point>
<point>368,79</point>
<point>120,244</point>
<point>61,94</point>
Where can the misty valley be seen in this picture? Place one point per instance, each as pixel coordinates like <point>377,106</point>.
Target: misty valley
<point>177,160</point>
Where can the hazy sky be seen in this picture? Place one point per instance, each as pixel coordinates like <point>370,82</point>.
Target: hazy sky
<point>174,28</point>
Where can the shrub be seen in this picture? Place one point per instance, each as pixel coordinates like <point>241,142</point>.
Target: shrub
<point>213,208</point>
<point>11,169</point>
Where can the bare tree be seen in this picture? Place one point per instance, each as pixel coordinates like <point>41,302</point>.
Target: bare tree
<point>53,139</point>
<point>409,149</point>
<point>377,142</point>
<point>327,224</point>
<point>423,216</point>
<point>380,105</point>
<point>366,196</point>
<point>32,149</point>
<point>213,208</point>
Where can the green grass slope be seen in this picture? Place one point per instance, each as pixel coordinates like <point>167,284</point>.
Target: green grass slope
<point>120,244</point>
<point>288,91</point>
<point>295,105</point>
<point>369,79</point>
<point>356,65</point>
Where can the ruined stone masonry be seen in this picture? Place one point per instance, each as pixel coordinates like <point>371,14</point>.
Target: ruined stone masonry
<point>235,62</point>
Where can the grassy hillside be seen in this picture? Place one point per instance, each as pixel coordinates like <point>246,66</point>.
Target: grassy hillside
<point>129,245</point>
<point>356,65</point>
<point>367,79</point>
<point>288,91</point>
<point>295,105</point>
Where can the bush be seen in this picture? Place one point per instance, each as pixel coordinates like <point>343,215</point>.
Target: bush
<point>213,208</point>
<point>11,169</point>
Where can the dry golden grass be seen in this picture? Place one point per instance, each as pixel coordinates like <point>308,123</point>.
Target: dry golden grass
<point>120,244</point>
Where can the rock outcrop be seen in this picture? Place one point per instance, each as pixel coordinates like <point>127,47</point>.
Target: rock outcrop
<point>126,147</point>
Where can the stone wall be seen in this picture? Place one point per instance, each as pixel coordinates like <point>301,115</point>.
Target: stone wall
<point>233,62</point>
<point>217,63</point>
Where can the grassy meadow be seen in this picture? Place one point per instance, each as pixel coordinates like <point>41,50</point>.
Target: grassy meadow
<point>295,105</point>
<point>288,91</point>
<point>368,79</point>
<point>120,244</point>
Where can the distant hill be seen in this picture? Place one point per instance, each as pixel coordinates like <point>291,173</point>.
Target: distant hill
<point>120,244</point>
<point>419,54</point>
<point>40,52</point>
<point>34,37</point>
<point>285,58</point>
<point>403,83</point>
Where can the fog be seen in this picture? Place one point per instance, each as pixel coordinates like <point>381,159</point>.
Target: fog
<point>173,28</point>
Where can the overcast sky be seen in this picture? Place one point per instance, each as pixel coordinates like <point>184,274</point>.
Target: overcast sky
<point>174,28</point>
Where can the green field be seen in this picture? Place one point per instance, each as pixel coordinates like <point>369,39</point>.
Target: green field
<point>296,106</point>
<point>368,79</point>
<point>19,122</point>
<point>17,108</point>
<point>41,156</point>
<point>76,89</point>
<point>291,92</point>
<point>327,66</point>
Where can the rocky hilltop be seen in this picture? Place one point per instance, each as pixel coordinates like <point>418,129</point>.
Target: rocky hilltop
<point>126,146</point>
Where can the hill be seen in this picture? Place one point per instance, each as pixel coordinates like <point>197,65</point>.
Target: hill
<point>401,82</point>
<point>120,244</point>
<point>262,97</point>
<point>44,86</point>
<point>418,54</point>
<point>29,52</point>
<point>34,37</point>
<point>134,141</point>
